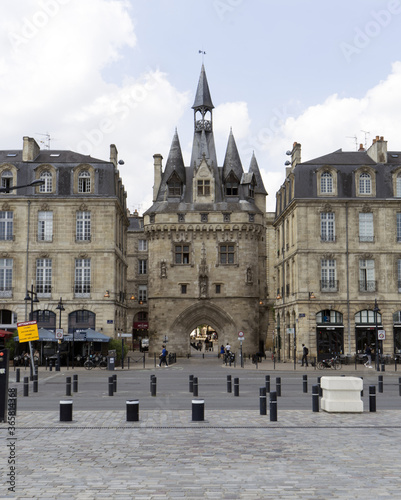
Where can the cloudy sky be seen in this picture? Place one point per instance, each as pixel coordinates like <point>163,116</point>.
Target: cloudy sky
<point>91,73</point>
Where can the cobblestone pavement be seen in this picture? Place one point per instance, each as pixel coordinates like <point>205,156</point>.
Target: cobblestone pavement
<point>230,455</point>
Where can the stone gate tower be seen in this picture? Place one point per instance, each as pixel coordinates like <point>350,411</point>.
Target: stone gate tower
<point>206,234</point>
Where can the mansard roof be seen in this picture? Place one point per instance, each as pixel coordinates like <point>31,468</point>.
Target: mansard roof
<point>203,98</point>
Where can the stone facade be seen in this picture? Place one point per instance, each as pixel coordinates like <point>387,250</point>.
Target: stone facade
<point>63,239</point>
<point>338,255</point>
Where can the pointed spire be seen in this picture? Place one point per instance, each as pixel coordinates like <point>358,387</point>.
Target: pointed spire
<point>202,97</point>
<point>175,161</point>
<point>254,169</point>
<point>232,161</point>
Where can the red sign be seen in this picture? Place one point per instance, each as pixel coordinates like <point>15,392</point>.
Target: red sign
<point>141,325</point>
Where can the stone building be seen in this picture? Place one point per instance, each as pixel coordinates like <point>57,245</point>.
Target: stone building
<point>62,240</point>
<point>206,236</point>
<point>338,252</point>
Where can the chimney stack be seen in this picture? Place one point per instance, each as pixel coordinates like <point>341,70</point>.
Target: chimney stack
<point>295,155</point>
<point>157,164</point>
<point>30,149</point>
<point>378,150</point>
<point>113,154</point>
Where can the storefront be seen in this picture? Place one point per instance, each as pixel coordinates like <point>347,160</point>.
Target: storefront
<point>329,334</point>
<point>365,329</point>
<point>397,332</point>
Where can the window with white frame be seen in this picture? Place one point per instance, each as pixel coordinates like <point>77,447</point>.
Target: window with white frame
<point>45,225</point>
<point>84,182</point>
<point>83,232</point>
<point>326,183</point>
<point>328,275</point>
<point>6,277</point>
<point>47,177</point>
<point>6,225</point>
<point>6,179</point>
<point>366,227</point>
<point>44,276</point>
<point>142,245</point>
<point>398,186</point>
<point>327,226</point>
<point>365,183</point>
<point>142,263</point>
<point>142,293</point>
<point>82,284</point>
<point>367,281</point>
<point>398,227</point>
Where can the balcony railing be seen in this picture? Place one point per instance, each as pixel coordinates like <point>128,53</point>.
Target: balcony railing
<point>367,286</point>
<point>82,291</point>
<point>6,292</point>
<point>328,238</point>
<point>329,285</point>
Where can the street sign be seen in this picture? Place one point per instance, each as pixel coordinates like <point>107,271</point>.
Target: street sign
<point>59,333</point>
<point>381,334</point>
<point>27,331</point>
<point>125,335</point>
<point>240,334</point>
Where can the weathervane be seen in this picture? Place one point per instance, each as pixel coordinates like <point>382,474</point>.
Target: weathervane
<point>203,54</point>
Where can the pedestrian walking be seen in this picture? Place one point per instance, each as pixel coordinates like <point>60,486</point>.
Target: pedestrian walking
<point>163,356</point>
<point>368,352</point>
<point>305,352</point>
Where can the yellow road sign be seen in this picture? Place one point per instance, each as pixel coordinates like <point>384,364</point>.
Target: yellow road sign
<point>28,331</point>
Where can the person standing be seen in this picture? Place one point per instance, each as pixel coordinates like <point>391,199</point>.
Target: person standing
<point>305,352</point>
<point>163,356</point>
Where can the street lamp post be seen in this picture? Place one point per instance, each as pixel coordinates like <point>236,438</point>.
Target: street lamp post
<point>7,189</point>
<point>377,353</point>
<point>60,307</point>
<point>32,297</point>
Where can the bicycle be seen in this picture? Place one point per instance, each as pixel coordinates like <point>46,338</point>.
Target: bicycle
<point>333,363</point>
<point>94,361</point>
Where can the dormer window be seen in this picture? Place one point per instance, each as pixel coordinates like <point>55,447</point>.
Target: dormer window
<point>84,182</point>
<point>365,184</point>
<point>251,191</point>
<point>326,183</point>
<point>47,177</point>
<point>174,186</point>
<point>7,179</point>
<point>232,185</point>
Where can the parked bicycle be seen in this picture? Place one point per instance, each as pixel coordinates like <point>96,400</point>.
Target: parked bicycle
<point>333,363</point>
<point>95,360</point>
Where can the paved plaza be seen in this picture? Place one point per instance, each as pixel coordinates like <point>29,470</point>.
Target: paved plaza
<point>235,453</point>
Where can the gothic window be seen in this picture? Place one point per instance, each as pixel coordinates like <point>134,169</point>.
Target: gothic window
<point>174,186</point>
<point>203,187</point>
<point>181,254</point>
<point>231,185</point>
<point>227,254</point>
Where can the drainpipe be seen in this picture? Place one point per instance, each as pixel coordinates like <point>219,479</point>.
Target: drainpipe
<point>347,263</point>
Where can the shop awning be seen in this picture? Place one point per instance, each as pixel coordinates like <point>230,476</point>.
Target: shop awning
<point>44,336</point>
<point>88,335</point>
<point>5,333</point>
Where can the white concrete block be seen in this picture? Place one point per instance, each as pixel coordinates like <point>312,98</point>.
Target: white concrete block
<point>341,394</point>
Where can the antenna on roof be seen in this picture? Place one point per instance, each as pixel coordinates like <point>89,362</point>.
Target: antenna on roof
<point>366,137</point>
<point>46,142</point>
<point>355,139</point>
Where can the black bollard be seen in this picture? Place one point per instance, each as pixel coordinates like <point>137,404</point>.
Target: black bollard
<point>153,386</point>
<point>111,386</point>
<point>383,367</point>
<point>267,382</point>
<point>75,383</point>
<point>195,387</point>
<point>372,398</point>
<point>399,386</point>
<point>150,387</point>
<point>320,387</point>
<point>362,387</point>
<point>305,383</point>
<point>66,411</point>
<point>229,384</point>
<point>273,407</point>
<point>35,383</point>
<point>198,410</point>
<point>315,398</point>
<point>236,387</point>
<point>278,386</point>
<point>262,401</point>
<point>132,410</point>
<point>26,386</point>
<point>191,383</point>
<point>68,386</point>
<point>380,383</point>
<point>50,366</point>
<point>115,383</point>
<point>17,375</point>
